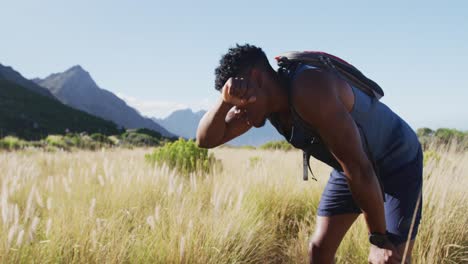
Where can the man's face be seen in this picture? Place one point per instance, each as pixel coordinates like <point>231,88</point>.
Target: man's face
<point>256,112</point>
<point>254,115</point>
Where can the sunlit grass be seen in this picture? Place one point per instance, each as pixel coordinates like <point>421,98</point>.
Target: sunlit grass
<point>111,206</point>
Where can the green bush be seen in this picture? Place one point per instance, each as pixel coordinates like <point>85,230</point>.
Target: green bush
<point>445,135</point>
<point>38,144</point>
<point>57,141</point>
<point>103,140</point>
<point>137,139</point>
<point>88,143</point>
<point>12,143</point>
<point>277,145</point>
<point>425,132</point>
<point>72,140</point>
<point>83,141</point>
<point>148,132</point>
<point>184,156</point>
<point>114,139</point>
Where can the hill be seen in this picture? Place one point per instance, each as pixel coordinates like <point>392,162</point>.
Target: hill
<point>32,116</point>
<point>182,122</point>
<point>9,74</point>
<point>76,88</point>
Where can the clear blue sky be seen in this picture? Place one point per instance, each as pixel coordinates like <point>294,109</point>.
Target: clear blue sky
<point>160,55</point>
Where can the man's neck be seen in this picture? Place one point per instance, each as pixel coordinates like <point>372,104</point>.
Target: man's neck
<point>279,101</point>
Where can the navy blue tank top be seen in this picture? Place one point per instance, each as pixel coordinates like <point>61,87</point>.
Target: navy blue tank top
<point>388,140</point>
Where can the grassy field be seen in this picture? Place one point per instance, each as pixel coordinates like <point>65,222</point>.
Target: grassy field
<point>112,207</point>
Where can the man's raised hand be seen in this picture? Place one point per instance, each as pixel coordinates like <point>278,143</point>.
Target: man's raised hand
<point>238,91</point>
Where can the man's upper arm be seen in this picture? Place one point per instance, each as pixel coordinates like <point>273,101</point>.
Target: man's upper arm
<point>316,100</point>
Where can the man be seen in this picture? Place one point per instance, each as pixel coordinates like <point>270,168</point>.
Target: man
<point>357,131</point>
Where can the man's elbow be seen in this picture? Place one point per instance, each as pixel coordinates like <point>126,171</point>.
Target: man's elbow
<point>203,143</point>
<point>200,139</point>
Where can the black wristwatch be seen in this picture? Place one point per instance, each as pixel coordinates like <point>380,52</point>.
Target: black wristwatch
<point>378,239</point>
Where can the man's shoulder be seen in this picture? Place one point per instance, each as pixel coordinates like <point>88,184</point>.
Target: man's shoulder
<point>312,85</point>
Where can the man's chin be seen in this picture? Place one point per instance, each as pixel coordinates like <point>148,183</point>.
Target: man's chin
<point>260,124</point>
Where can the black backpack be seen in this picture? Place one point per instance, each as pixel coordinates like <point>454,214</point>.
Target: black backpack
<point>289,61</point>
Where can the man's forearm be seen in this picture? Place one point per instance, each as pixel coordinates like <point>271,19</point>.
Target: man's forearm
<point>212,126</point>
<point>366,192</point>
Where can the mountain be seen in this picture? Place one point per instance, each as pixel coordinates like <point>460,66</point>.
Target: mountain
<point>182,122</point>
<point>76,88</point>
<point>31,115</point>
<point>258,136</point>
<point>185,123</point>
<point>9,74</point>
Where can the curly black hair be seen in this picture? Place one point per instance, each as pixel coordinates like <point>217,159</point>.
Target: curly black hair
<point>237,59</point>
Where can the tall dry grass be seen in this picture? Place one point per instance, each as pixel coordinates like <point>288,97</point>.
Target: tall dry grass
<point>112,207</point>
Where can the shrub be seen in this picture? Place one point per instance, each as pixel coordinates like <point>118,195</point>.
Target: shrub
<point>86,142</point>
<point>445,135</point>
<point>12,143</point>
<point>184,156</point>
<point>138,139</point>
<point>149,132</point>
<point>57,141</point>
<point>425,132</point>
<point>83,141</point>
<point>103,140</point>
<point>277,145</point>
<point>38,144</point>
<point>114,139</point>
<point>73,140</point>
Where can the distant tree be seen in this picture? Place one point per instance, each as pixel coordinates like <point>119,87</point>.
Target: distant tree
<point>102,139</point>
<point>425,132</point>
<point>149,132</point>
<point>277,145</point>
<point>445,135</point>
<point>132,138</point>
